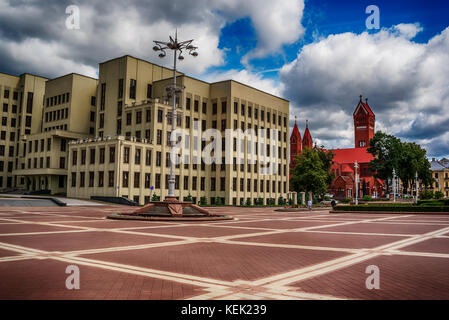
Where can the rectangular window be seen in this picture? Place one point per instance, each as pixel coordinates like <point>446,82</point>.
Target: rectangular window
<point>125,179</point>
<point>137,156</point>
<point>110,179</point>
<point>132,89</point>
<point>111,154</point>
<point>103,96</point>
<point>188,103</point>
<point>138,117</point>
<point>159,116</point>
<point>126,155</point>
<point>157,181</point>
<point>136,179</point>
<point>214,108</point>
<point>62,163</point>
<point>204,107</point>
<point>73,179</point>
<point>30,103</point>
<point>92,156</point>
<point>102,153</point>
<point>82,179</point>
<point>100,179</point>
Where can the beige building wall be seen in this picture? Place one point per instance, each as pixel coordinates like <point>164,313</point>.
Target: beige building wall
<point>68,114</point>
<point>21,100</point>
<point>140,120</point>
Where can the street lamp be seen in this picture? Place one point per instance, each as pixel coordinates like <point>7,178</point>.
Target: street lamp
<point>417,186</point>
<point>394,185</point>
<point>175,46</point>
<point>356,184</point>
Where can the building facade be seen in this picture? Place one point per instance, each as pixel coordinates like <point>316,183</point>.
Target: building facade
<point>440,172</point>
<point>111,137</point>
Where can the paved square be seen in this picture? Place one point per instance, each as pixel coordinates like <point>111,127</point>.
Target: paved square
<point>263,254</point>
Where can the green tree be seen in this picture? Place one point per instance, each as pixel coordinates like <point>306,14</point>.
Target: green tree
<point>310,174</point>
<point>406,158</point>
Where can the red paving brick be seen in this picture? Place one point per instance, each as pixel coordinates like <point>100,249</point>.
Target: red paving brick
<point>81,240</point>
<point>397,228</point>
<point>7,253</point>
<point>324,240</point>
<point>220,261</point>
<point>29,227</point>
<point>197,231</point>
<point>401,277</point>
<point>45,279</point>
<point>280,224</point>
<point>437,245</point>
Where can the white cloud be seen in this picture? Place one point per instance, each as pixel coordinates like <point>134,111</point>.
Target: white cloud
<point>403,80</point>
<point>246,77</point>
<point>109,29</point>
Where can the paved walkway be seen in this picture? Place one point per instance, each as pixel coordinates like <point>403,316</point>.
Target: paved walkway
<point>262,255</point>
<point>67,201</point>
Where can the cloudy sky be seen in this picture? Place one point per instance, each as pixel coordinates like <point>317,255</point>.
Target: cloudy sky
<point>319,54</point>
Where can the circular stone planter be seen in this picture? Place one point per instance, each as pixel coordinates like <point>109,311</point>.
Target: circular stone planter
<point>124,216</point>
<point>302,209</point>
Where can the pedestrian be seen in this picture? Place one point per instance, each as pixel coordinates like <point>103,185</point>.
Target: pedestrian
<point>309,204</point>
<point>333,204</point>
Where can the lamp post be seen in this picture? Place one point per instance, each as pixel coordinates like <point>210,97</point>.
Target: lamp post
<point>394,185</point>
<point>356,184</point>
<point>175,46</point>
<point>417,186</point>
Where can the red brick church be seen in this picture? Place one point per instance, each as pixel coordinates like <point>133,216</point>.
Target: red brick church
<point>344,160</point>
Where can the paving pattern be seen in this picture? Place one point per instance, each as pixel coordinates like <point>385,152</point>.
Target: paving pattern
<point>262,254</point>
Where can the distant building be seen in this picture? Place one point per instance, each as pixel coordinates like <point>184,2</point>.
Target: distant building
<point>440,172</point>
<point>344,161</point>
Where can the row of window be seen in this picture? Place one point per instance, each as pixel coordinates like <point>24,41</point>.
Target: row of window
<point>258,186</point>
<point>40,145</point>
<point>10,153</point>
<point>6,94</point>
<point>6,108</point>
<point>56,115</point>
<point>35,165</point>
<point>57,100</point>
<point>2,166</point>
<point>60,127</point>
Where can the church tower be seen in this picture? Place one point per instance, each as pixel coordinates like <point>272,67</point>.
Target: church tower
<point>295,144</point>
<point>364,120</point>
<point>307,139</point>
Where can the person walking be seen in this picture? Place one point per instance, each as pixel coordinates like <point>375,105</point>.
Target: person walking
<point>309,205</point>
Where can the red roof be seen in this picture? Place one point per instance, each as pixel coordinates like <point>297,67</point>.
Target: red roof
<point>351,155</point>
<point>295,133</point>
<point>347,168</point>
<point>368,109</point>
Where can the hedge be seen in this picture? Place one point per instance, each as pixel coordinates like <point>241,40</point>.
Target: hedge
<point>392,208</point>
<point>441,202</point>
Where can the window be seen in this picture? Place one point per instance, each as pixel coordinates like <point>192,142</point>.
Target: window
<point>212,184</point>
<point>158,158</point>
<point>132,89</point>
<point>138,117</point>
<point>128,118</point>
<point>100,179</point>
<point>159,116</point>
<point>223,106</point>
<point>101,124</point>
<point>73,179</point>
<point>126,155</point>
<point>5,107</point>
<point>91,179</point>
<point>137,156</point>
<point>92,156</point>
<point>103,96</point>
<point>196,105</point>
<point>147,180</point>
<point>157,181</point>
<point>82,179</point>
<point>243,110</point>
<point>92,116</point>
<point>148,115</point>
<point>62,163</point>
<point>102,152</point>
<point>214,108</point>
<point>236,107</point>
<point>159,137</point>
<point>149,91</point>
<point>136,179</point>
<point>188,103</point>
<point>125,179</point>
<point>110,179</point>
<point>93,101</point>
<point>186,183</point>
<point>63,145</point>
<point>74,157</point>
<point>204,107</point>
<point>111,154</point>
<point>6,94</point>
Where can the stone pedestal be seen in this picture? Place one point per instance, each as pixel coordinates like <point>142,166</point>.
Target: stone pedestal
<point>310,196</point>
<point>303,198</point>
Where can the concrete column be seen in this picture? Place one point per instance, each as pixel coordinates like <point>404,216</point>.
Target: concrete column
<point>295,198</point>
<point>310,196</point>
<point>303,197</point>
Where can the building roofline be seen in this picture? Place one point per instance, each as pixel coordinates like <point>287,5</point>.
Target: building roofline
<point>73,74</point>
<point>22,74</point>
<point>130,56</point>
<point>228,80</point>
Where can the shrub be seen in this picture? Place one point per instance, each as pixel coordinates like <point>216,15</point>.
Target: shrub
<point>188,198</point>
<point>218,201</point>
<point>203,201</point>
<point>281,201</point>
<point>155,197</point>
<point>290,202</point>
<point>426,194</point>
<point>248,202</point>
<point>367,198</point>
<point>347,200</point>
<point>327,198</point>
<point>394,208</point>
<point>438,195</point>
<point>271,201</point>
